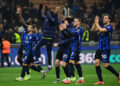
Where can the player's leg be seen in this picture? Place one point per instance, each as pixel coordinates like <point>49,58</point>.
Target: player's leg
<point>35,65</point>
<point>75,58</point>
<point>19,59</point>
<point>66,71</point>
<point>79,70</point>
<point>20,53</point>
<point>57,64</point>
<point>105,59</point>
<point>57,70</point>
<point>71,67</point>
<point>49,53</point>
<point>36,51</point>
<point>27,77</point>
<point>24,70</point>
<point>71,64</point>
<point>97,67</point>
<point>73,78</point>
<point>65,65</point>
<point>112,70</point>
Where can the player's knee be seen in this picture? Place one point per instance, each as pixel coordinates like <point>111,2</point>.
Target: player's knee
<point>36,65</point>
<point>72,61</point>
<point>105,65</point>
<point>77,62</point>
<point>97,63</point>
<point>24,64</point>
<point>57,63</point>
<point>63,64</point>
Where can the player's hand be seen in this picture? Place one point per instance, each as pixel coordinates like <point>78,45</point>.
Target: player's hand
<point>19,10</point>
<point>55,44</point>
<point>57,9</point>
<point>97,18</point>
<point>62,27</point>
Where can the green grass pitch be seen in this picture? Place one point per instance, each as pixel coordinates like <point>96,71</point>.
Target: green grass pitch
<point>7,76</point>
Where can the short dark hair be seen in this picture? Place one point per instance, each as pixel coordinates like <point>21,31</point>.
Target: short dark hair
<point>106,14</point>
<point>34,25</point>
<point>69,20</point>
<point>78,19</point>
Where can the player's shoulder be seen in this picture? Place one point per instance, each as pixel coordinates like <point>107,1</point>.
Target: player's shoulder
<point>81,28</point>
<point>109,26</point>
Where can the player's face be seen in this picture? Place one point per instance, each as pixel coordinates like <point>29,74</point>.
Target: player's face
<point>76,22</point>
<point>34,29</point>
<point>66,22</point>
<point>29,28</point>
<point>106,19</point>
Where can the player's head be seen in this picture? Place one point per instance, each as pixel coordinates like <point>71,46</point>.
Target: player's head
<point>106,18</point>
<point>76,22</point>
<point>67,21</point>
<point>62,26</point>
<point>30,28</point>
<point>35,28</point>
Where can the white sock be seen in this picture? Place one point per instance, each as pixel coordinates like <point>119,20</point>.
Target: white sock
<point>81,78</point>
<point>68,78</point>
<point>49,66</point>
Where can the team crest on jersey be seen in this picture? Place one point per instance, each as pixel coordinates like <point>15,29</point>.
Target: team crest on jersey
<point>104,56</point>
<point>64,55</point>
<point>78,30</point>
<point>108,27</point>
<point>30,37</point>
<point>26,38</point>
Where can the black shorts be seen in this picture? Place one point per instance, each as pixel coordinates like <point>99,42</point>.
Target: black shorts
<point>75,56</point>
<point>103,55</point>
<point>63,54</point>
<point>28,60</point>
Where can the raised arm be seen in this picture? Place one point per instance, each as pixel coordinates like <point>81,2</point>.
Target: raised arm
<point>99,28</point>
<point>65,41</point>
<point>93,27</point>
<point>40,12</point>
<point>19,14</point>
<point>49,14</point>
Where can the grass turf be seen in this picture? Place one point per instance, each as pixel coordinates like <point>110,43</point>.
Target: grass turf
<point>7,76</point>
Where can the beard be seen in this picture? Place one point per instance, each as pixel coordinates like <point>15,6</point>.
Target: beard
<point>104,23</point>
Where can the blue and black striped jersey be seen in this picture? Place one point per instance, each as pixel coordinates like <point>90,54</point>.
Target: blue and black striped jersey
<point>105,38</point>
<point>29,39</point>
<point>37,38</point>
<point>76,43</point>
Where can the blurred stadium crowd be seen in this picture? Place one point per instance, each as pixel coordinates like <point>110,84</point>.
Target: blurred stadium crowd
<point>10,26</point>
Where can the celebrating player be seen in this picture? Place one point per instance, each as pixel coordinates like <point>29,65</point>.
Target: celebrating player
<point>103,52</point>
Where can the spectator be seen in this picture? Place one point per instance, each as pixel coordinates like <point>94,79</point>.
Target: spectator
<point>66,11</point>
<point>16,35</point>
<point>85,37</point>
<point>10,35</point>
<point>5,51</point>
